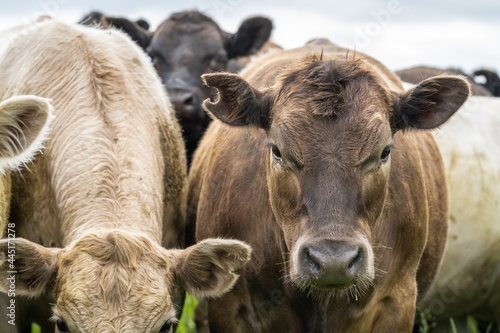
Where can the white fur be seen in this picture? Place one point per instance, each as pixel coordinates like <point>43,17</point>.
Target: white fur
<point>470,273</point>
<point>13,107</point>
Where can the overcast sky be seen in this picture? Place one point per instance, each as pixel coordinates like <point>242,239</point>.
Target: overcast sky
<point>400,33</point>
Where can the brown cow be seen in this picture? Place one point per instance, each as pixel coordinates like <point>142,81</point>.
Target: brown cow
<point>24,123</point>
<point>189,44</point>
<point>317,161</point>
<point>416,74</point>
<point>92,213</point>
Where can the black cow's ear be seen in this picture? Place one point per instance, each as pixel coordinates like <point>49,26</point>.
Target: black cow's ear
<point>431,103</point>
<point>238,103</point>
<point>252,34</point>
<point>143,23</point>
<point>136,32</point>
<point>92,18</point>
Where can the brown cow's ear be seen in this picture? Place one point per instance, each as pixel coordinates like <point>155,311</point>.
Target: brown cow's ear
<point>26,268</point>
<point>430,103</point>
<point>238,103</point>
<point>208,269</point>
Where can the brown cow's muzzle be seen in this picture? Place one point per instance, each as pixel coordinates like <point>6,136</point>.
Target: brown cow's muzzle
<point>333,264</point>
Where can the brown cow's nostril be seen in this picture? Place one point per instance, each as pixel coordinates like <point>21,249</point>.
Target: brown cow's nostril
<point>357,259</point>
<point>313,265</point>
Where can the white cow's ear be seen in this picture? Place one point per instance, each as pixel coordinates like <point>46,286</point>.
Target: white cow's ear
<point>208,269</point>
<point>431,103</point>
<point>26,268</point>
<point>24,123</point>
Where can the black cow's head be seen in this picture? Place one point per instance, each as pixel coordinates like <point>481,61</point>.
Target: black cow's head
<point>189,44</point>
<point>137,30</point>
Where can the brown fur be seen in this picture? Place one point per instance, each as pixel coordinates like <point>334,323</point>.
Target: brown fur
<point>328,114</point>
<point>93,212</point>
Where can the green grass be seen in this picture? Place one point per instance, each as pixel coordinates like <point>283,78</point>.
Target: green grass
<point>427,324</point>
<point>186,323</point>
<point>472,324</point>
<point>35,328</point>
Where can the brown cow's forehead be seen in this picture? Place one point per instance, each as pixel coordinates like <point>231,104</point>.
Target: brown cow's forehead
<point>331,84</point>
<point>305,138</point>
<point>105,280</point>
<point>348,118</point>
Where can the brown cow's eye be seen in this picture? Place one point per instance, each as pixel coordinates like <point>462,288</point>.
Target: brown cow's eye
<point>61,326</point>
<point>166,327</point>
<point>385,154</point>
<point>276,153</point>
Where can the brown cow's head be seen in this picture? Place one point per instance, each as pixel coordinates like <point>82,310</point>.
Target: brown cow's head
<point>120,282</point>
<point>330,125</point>
<point>188,44</point>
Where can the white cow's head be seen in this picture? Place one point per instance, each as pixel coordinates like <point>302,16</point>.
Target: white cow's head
<point>116,281</point>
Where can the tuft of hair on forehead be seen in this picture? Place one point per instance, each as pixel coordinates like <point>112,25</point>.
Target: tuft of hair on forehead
<point>320,83</point>
<point>117,247</point>
<point>121,257</point>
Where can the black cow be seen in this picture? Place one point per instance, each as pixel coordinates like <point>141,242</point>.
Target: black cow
<point>189,44</point>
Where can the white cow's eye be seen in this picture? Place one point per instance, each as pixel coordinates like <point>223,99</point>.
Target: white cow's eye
<point>61,326</point>
<point>276,153</point>
<point>166,327</point>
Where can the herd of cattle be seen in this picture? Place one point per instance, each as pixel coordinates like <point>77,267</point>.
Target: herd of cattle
<point>310,192</point>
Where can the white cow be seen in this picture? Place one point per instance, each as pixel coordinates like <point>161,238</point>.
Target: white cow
<point>469,279</point>
<point>94,214</point>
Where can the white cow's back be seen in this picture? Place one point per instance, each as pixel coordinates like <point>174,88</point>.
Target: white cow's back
<point>469,279</point>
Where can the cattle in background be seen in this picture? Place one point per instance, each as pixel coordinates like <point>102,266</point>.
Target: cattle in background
<point>238,64</point>
<point>492,80</point>
<point>468,282</point>
<point>415,75</point>
<point>137,30</point>
<point>315,160</point>
<point>24,123</point>
<point>188,44</point>
<point>93,211</point>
